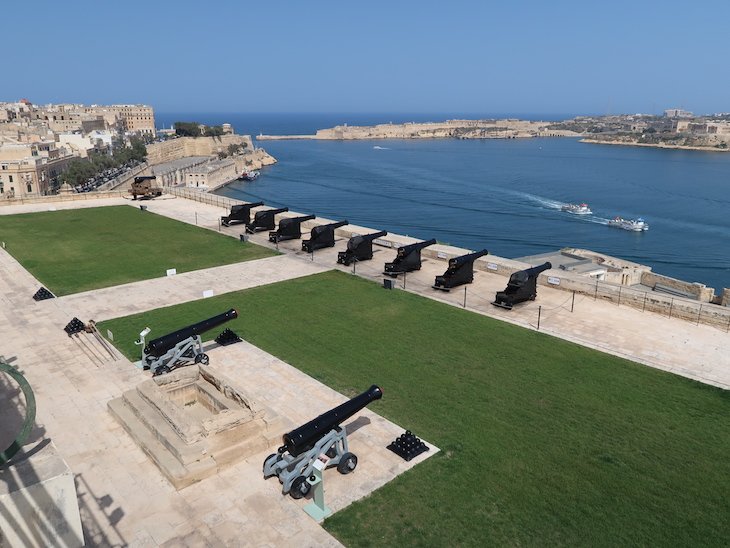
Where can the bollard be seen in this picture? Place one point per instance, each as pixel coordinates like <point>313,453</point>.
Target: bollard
<point>619,297</point>
<point>572,304</point>
<point>539,313</point>
<point>317,509</point>
<point>671,306</point>
<point>464,297</point>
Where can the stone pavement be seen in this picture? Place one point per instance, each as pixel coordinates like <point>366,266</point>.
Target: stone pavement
<point>122,300</point>
<point>123,497</point>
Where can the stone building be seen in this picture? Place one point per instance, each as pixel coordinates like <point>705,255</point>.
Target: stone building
<point>211,175</point>
<point>29,169</point>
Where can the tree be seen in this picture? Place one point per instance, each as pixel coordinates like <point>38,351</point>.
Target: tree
<point>213,131</point>
<point>187,129</point>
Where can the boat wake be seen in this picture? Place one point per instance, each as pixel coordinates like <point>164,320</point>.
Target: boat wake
<point>543,202</point>
<point>376,147</point>
<point>596,220</point>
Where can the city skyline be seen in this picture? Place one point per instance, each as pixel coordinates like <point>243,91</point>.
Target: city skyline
<point>565,57</point>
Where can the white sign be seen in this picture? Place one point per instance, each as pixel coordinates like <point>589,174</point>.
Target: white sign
<point>442,255</point>
<point>109,335</point>
<point>207,293</point>
<point>171,271</point>
<point>51,208</point>
<point>384,243</point>
<point>553,280</point>
<point>492,266</point>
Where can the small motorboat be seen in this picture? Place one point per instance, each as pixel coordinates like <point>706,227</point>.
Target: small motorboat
<point>577,209</point>
<point>248,175</point>
<point>634,225</point>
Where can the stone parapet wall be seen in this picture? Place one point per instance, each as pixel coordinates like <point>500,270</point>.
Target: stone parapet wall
<point>699,291</point>
<point>81,196</point>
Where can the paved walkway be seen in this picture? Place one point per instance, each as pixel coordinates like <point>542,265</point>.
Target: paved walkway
<point>122,300</point>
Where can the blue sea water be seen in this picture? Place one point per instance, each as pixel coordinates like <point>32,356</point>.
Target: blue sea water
<point>504,195</point>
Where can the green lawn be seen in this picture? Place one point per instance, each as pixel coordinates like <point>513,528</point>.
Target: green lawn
<point>82,249</point>
<point>543,442</point>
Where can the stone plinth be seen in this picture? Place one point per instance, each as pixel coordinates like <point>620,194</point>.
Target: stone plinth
<point>193,421</point>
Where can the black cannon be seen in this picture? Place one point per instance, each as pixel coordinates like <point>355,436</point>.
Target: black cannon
<point>179,347</point>
<point>459,272</point>
<point>322,236</point>
<point>359,248</point>
<point>264,220</point>
<point>240,213</point>
<point>407,259</point>
<point>522,286</point>
<point>294,461</point>
<point>289,228</point>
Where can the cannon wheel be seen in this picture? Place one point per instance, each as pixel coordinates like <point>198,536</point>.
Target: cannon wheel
<point>347,463</point>
<point>202,358</point>
<point>266,460</point>
<point>161,371</point>
<point>299,488</point>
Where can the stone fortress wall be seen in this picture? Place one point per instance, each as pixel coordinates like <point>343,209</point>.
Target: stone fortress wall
<point>183,147</point>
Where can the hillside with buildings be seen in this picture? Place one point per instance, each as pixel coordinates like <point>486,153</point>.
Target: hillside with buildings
<point>676,129</point>
<point>90,147</point>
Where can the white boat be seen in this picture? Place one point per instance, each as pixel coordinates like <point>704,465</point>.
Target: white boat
<point>635,225</point>
<point>248,175</point>
<point>577,209</point>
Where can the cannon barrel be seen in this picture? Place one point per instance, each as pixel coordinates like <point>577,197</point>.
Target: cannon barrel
<point>407,259</point>
<point>157,347</point>
<point>289,228</point>
<point>410,248</point>
<point>331,226</point>
<point>460,271</point>
<point>240,213</point>
<point>264,220</point>
<point>295,220</point>
<point>359,248</point>
<point>322,236</point>
<point>534,271</point>
<point>273,211</point>
<point>357,240</point>
<point>468,258</point>
<point>306,436</point>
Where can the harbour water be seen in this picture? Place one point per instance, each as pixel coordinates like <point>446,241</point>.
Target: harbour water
<point>505,195</point>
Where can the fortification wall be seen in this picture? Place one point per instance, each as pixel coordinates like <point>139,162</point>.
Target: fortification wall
<point>182,147</point>
<point>701,292</point>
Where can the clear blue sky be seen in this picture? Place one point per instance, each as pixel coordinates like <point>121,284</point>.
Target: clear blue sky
<point>375,56</point>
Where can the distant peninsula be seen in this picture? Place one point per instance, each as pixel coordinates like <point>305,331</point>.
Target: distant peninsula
<point>677,129</point>
<point>456,129</point>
